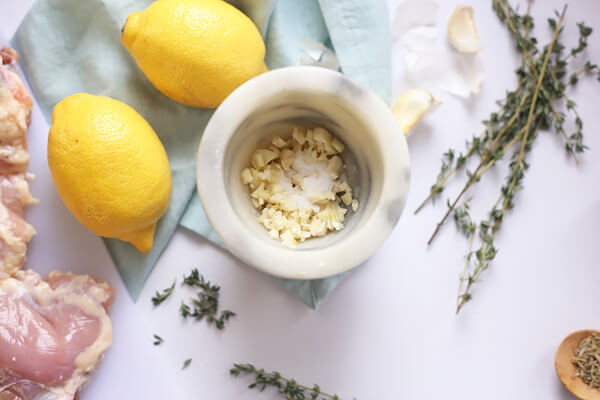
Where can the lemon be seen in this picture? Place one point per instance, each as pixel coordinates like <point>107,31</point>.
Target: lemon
<point>109,168</point>
<point>194,51</point>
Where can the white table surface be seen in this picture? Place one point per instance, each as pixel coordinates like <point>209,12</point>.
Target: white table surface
<point>389,330</point>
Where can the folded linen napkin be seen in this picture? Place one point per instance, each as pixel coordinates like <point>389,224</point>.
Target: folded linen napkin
<point>71,46</point>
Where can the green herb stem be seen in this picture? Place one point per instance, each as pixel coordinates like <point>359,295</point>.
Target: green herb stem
<point>289,388</point>
<point>161,297</point>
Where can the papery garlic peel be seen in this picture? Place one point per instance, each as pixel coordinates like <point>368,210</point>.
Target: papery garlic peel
<point>461,30</point>
<point>411,106</point>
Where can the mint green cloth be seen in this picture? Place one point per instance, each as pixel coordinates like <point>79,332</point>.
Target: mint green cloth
<point>71,46</point>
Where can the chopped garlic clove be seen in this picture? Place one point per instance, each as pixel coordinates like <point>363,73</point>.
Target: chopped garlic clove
<point>411,106</point>
<point>461,30</point>
<point>246,176</point>
<point>278,141</point>
<point>347,198</point>
<point>337,145</point>
<point>299,134</point>
<point>258,161</point>
<point>321,135</point>
<point>334,167</point>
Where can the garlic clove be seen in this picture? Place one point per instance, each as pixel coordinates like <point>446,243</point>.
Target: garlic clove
<point>461,30</point>
<point>411,106</point>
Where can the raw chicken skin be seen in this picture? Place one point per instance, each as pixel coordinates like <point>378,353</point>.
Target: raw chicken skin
<point>53,334</point>
<point>15,194</point>
<point>15,114</point>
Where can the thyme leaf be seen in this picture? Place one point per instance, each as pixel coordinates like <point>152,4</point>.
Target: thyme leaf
<point>158,340</point>
<point>186,363</point>
<point>160,297</point>
<point>288,388</point>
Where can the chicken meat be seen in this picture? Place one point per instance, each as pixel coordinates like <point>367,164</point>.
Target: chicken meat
<point>53,334</point>
<point>15,115</point>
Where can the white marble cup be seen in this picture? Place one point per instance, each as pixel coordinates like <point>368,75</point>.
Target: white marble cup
<point>376,159</point>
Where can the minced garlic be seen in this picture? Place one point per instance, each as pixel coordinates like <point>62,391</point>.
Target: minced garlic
<point>297,185</point>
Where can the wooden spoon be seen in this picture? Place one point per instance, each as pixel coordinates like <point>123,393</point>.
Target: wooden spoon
<point>566,370</point>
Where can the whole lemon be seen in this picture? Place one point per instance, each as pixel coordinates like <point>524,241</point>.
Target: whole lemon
<point>109,168</point>
<point>194,51</point>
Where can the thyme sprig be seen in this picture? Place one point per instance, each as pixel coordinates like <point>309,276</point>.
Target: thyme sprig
<point>159,297</point>
<point>206,304</point>
<point>288,388</point>
<point>543,78</point>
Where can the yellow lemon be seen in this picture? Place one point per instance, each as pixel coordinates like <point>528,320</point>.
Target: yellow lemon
<point>109,168</point>
<point>194,51</point>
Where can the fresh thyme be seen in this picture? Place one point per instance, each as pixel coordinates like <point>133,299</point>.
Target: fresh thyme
<point>587,360</point>
<point>186,363</point>
<point>206,304</point>
<point>158,340</point>
<point>160,297</point>
<point>288,388</point>
<point>543,78</point>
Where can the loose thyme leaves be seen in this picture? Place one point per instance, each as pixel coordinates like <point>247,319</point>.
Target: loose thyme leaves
<point>543,78</point>
<point>160,297</point>
<point>206,304</point>
<point>587,360</point>
<point>288,388</point>
<point>158,340</point>
<point>186,363</point>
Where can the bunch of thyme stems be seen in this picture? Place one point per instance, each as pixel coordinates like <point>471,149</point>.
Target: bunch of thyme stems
<point>288,388</point>
<point>543,78</point>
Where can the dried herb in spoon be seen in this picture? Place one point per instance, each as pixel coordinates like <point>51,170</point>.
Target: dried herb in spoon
<point>543,78</point>
<point>587,360</point>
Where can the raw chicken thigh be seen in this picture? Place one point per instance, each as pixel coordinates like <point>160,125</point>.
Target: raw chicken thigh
<point>15,113</point>
<point>53,333</point>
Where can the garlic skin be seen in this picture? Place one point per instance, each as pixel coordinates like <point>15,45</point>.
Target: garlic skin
<point>461,30</point>
<point>421,46</point>
<point>411,106</point>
